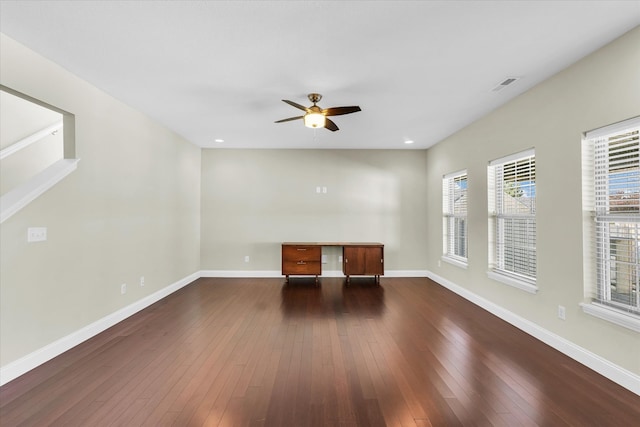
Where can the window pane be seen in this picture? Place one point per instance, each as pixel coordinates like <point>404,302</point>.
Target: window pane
<point>616,164</point>
<point>454,207</point>
<point>514,193</point>
<point>517,245</point>
<point>620,263</point>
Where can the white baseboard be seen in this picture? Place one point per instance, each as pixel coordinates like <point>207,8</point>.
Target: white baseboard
<point>619,375</point>
<point>406,273</point>
<point>32,360</point>
<point>325,273</point>
<point>240,273</point>
<point>48,352</point>
<point>615,373</point>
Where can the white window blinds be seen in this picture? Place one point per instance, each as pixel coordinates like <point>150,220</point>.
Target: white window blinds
<point>454,207</point>
<point>512,199</point>
<point>615,162</point>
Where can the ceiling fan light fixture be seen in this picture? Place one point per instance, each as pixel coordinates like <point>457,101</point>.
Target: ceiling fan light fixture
<point>314,120</point>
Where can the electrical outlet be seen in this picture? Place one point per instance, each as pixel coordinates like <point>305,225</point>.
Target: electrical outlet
<point>141,280</point>
<point>562,313</point>
<point>123,289</point>
<point>246,258</point>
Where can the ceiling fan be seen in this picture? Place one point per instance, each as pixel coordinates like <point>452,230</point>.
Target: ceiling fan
<point>315,116</point>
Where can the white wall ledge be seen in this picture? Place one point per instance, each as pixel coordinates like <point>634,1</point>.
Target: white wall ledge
<point>520,284</point>
<point>26,193</point>
<point>612,315</point>
<point>454,261</point>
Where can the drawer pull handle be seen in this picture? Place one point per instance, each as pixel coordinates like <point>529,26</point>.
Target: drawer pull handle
<point>302,249</point>
<point>302,263</point>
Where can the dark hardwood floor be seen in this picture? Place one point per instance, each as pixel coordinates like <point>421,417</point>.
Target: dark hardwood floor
<point>253,352</point>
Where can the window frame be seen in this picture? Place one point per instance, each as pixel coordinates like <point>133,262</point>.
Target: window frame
<point>605,218</point>
<point>499,216</point>
<point>455,241</point>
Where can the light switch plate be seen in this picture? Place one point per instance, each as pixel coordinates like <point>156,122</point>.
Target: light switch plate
<point>36,234</point>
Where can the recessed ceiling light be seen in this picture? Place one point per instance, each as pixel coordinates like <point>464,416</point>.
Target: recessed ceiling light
<point>409,141</point>
<point>219,140</point>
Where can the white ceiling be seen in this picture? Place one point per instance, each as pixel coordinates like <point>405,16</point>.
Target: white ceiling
<point>420,70</point>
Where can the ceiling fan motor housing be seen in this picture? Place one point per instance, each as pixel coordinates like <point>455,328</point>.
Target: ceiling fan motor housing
<point>314,97</point>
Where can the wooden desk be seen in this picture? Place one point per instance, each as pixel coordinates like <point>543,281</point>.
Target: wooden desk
<point>358,258</point>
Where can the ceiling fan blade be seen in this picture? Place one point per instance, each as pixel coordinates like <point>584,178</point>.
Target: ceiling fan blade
<point>289,119</point>
<point>298,106</point>
<point>338,111</point>
<point>330,125</point>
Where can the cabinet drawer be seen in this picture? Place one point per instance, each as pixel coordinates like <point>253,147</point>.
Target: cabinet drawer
<point>301,267</point>
<point>301,253</point>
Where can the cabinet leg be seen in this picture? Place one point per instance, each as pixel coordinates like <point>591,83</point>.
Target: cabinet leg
<point>317,284</point>
<point>286,279</point>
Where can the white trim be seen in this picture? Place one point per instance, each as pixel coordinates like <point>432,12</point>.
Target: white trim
<point>613,128</point>
<point>615,373</point>
<point>49,351</point>
<point>325,273</point>
<point>512,281</point>
<point>406,273</point>
<point>513,157</point>
<point>31,139</point>
<point>240,273</point>
<point>24,194</point>
<point>456,262</point>
<point>32,360</point>
<point>612,315</point>
<point>454,174</point>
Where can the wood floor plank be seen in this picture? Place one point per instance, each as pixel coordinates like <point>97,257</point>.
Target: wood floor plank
<point>258,352</point>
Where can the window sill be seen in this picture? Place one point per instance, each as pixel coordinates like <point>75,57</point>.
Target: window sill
<point>19,197</point>
<point>511,281</point>
<point>612,315</point>
<point>454,261</point>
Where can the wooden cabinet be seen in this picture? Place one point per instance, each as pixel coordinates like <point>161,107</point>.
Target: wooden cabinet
<point>367,260</point>
<point>358,259</point>
<point>301,259</point>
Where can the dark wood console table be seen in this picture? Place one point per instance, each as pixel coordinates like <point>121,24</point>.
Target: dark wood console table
<point>305,258</point>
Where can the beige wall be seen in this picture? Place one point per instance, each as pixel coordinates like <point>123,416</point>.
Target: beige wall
<point>601,89</point>
<point>253,200</point>
<point>131,209</point>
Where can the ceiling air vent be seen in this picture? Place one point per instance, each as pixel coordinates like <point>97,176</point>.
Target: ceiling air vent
<point>504,83</point>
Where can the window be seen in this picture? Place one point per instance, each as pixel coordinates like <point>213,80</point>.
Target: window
<point>454,218</point>
<point>512,220</point>
<point>612,197</point>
